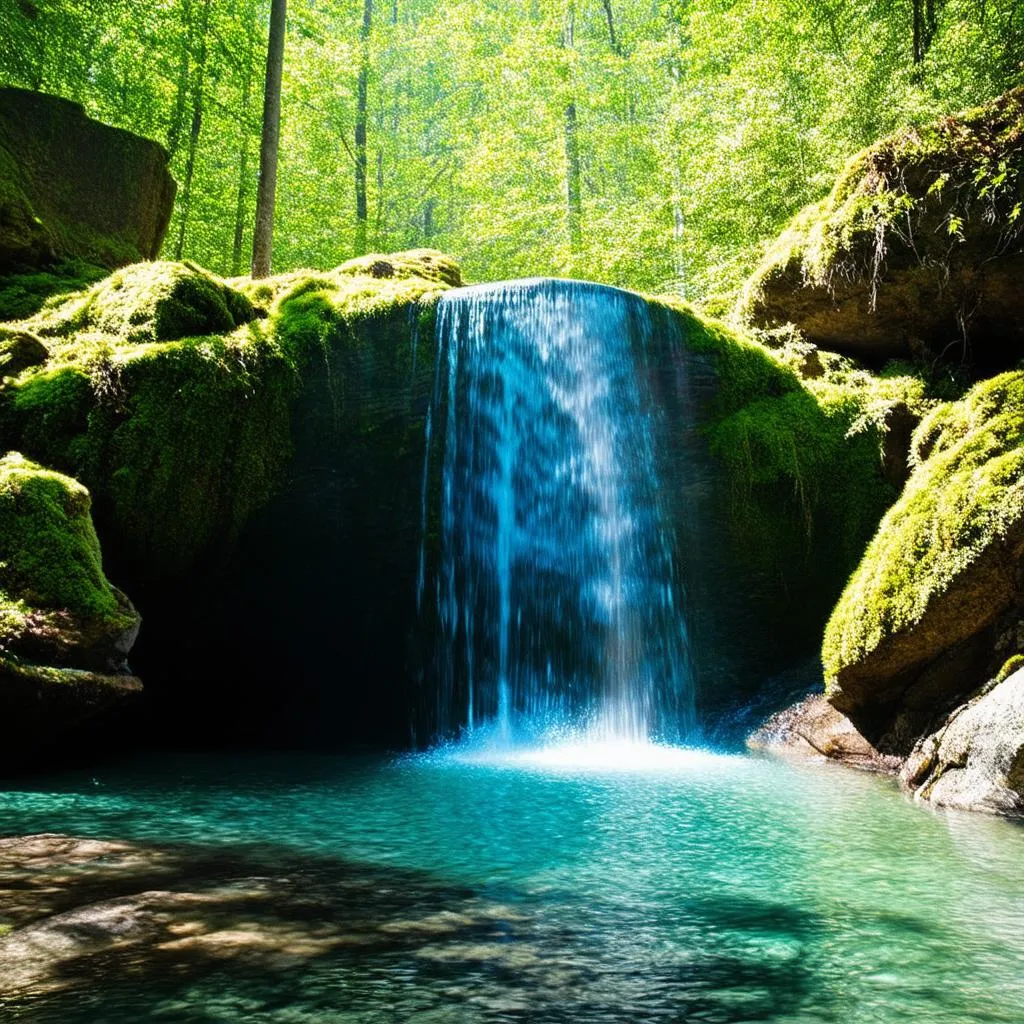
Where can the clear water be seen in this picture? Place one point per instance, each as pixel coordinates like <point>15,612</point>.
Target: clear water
<point>556,594</point>
<point>569,885</point>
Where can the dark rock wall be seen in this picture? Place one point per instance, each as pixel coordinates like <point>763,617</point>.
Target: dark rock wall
<point>305,634</point>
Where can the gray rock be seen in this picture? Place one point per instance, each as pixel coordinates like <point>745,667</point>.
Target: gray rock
<point>975,761</point>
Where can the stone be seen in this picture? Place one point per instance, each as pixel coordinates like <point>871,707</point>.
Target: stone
<point>914,632</point>
<point>71,187</point>
<point>918,250</point>
<point>20,350</point>
<point>813,728</point>
<point>975,760</point>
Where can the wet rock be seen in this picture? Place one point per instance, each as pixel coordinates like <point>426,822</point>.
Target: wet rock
<point>975,760</point>
<point>813,728</point>
<point>72,906</point>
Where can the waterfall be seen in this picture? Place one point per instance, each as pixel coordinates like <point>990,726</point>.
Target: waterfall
<point>556,596</point>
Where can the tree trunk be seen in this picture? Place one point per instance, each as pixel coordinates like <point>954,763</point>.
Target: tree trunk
<point>925,24</point>
<point>181,95</point>
<point>193,139</point>
<point>610,18</point>
<point>378,225</point>
<point>243,160</point>
<point>263,232</point>
<point>573,193</point>
<point>362,87</point>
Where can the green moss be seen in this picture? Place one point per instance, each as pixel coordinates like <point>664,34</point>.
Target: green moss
<point>426,264</point>
<point>803,456</point>
<point>180,441</point>
<point>966,493</point>
<point>24,295</point>
<point>950,185</point>
<point>158,301</point>
<point>51,557</point>
<point>1011,665</point>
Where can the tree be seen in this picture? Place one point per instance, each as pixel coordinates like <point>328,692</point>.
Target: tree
<point>362,90</point>
<point>263,233</point>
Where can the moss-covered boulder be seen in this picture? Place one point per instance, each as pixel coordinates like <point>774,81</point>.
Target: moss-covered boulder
<point>20,350</point>
<point>65,631</point>
<point>257,483</point>
<point>56,606</point>
<point>72,188</point>
<point>160,301</point>
<point>912,633</point>
<point>919,249</point>
<point>427,264</point>
<point>777,476</point>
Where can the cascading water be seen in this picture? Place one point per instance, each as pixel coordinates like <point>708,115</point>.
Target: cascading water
<point>556,589</point>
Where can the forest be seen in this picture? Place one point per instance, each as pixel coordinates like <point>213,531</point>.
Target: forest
<point>655,144</point>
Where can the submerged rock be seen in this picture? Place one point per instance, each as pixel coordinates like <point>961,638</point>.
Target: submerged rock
<point>919,249</point>
<point>71,187</point>
<point>975,760</point>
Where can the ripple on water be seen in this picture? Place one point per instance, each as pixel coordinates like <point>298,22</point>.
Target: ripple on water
<point>562,882</point>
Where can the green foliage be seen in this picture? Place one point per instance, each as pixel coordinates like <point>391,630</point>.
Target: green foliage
<point>966,494</point>
<point>701,128</point>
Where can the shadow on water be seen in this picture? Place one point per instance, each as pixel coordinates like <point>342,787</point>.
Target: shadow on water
<point>116,931</point>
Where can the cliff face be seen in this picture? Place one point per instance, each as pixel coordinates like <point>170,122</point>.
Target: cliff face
<point>72,188</point>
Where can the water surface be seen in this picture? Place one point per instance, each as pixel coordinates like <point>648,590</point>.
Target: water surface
<point>567,886</point>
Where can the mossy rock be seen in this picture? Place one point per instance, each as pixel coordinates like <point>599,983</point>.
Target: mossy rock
<point>56,606</point>
<point>945,564</point>
<point>160,301</point>
<point>918,250</point>
<point>181,440</point>
<point>72,188</point>
<point>22,295</point>
<point>20,350</point>
<point>812,458</point>
<point>428,264</point>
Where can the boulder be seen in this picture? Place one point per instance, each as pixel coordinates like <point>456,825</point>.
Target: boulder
<point>158,301</point>
<point>914,632</point>
<point>71,187</point>
<point>918,250</point>
<point>975,760</point>
<point>65,632</point>
<point>813,728</point>
<point>18,351</point>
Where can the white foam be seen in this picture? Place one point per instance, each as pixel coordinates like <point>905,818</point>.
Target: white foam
<point>592,755</point>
